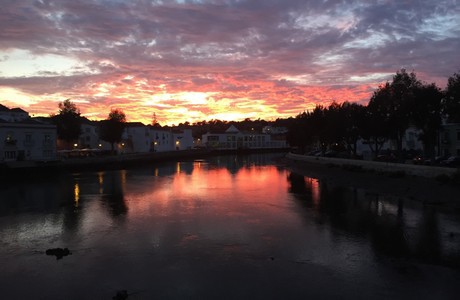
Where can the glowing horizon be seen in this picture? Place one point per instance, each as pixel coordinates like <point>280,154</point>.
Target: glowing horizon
<point>229,60</point>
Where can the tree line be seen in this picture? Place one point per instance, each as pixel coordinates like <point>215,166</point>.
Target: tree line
<point>393,108</point>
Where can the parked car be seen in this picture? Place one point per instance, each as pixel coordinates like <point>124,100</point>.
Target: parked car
<point>331,153</point>
<point>386,158</point>
<point>420,160</point>
<point>314,153</point>
<point>453,161</point>
<point>438,159</point>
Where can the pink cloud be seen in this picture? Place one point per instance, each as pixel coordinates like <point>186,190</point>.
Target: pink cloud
<point>252,57</point>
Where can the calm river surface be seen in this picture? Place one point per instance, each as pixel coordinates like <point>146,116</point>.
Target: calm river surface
<point>229,227</point>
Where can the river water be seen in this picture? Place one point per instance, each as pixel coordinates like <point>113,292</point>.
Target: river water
<point>228,227</point>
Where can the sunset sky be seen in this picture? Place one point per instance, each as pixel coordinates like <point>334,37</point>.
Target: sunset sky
<point>193,60</point>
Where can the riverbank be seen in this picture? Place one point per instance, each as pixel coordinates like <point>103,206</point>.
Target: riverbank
<point>14,170</point>
<point>433,191</point>
<point>28,169</point>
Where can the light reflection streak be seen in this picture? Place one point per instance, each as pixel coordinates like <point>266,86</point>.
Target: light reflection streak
<point>315,191</point>
<point>100,176</point>
<point>76,192</point>
<point>123,179</point>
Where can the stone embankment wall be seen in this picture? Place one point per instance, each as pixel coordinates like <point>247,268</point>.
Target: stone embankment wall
<point>408,169</point>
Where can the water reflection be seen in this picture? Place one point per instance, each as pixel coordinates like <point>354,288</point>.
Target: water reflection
<point>113,187</point>
<point>396,227</point>
<point>241,226</point>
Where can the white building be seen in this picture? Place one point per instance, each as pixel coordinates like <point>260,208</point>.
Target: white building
<point>13,114</point>
<point>136,138</point>
<point>139,138</point>
<point>232,138</point>
<point>449,139</point>
<point>183,140</point>
<point>161,140</point>
<point>22,138</point>
<point>89,136</point>
<point>274,130</point>
<point>410,142</point>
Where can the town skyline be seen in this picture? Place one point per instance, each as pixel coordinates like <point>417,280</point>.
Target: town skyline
<point>188,61</point>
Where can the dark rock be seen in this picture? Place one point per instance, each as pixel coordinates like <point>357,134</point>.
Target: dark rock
<point>121,295</point>
<point>58,252</point>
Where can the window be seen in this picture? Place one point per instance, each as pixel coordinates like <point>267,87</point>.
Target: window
<point>87,130</point>
<point>47,153</point>
<point>47,140</point>
<point>28,140</point>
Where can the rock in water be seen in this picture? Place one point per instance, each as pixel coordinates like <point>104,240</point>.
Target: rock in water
<point>58,252</point>
<point>121,295</point>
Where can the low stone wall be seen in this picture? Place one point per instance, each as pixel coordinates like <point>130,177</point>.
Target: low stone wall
<point>415,170</point>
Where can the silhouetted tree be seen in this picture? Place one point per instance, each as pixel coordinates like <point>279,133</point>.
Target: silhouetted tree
<point>155,122</point>
<point>111,129</point>
<point>426,115</point>
<point>451,103</point>
<point>392,105</point>
<point>400,105</point>
<point>299,132</point>
<point>375,128</point>
<point>334,129</point>
<point>68,122</point>
<point>317,127</point>
<point>353,122</point>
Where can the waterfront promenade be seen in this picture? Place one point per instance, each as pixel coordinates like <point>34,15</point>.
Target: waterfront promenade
<point>430,185</point>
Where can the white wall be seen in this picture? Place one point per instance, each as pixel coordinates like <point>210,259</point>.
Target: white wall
<point>27,141</point>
